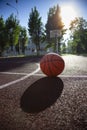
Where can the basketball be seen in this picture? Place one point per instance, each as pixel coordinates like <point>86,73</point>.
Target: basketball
<point>52,64</point>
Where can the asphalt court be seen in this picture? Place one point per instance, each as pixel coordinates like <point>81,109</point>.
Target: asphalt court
<point>12,69</point>
<point>63,107</point>
<point>15,69</point>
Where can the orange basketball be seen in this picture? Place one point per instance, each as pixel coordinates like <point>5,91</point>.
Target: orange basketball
<point>52,64</point>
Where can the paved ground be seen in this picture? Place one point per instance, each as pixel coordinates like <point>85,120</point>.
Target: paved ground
<point>31,101</point>
<point>75,65</point>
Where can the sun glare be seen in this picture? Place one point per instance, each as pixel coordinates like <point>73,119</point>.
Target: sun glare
<point>68,13</point>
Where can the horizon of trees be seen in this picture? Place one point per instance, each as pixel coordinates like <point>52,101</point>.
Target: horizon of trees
<point>78,36</point>
<point>13,34</point>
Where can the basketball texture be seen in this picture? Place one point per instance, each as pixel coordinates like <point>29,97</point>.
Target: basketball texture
<point>52,64</point>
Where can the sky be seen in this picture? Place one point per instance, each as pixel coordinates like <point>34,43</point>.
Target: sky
<point>24,8</point>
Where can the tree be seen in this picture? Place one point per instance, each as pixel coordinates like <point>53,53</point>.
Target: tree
<point>23,39</point>
<point>35,28</point>
<point>54,22</point>
<point>2,35</point>
<point>12,31</point>
<point>63,48</point>
<point>78,29</point>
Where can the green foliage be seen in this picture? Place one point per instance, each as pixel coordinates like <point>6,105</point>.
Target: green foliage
<point>78,29</point>
<point>11,34</point>
<point>2,35</point>
<point>63,48</point>
<point>12,30</point>
<point>35,28</point>
<point>71,47</point>
<point>23,39</point>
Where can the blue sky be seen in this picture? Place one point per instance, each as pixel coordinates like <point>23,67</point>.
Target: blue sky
<point>24,8</point>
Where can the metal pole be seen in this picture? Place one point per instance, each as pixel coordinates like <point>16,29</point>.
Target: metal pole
<point>56,40</point>
<point>57,44</point>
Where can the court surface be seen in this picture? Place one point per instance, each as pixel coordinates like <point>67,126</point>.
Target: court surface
<point>31,101</point>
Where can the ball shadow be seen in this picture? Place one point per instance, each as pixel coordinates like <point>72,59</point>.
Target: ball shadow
<point>41,94</point>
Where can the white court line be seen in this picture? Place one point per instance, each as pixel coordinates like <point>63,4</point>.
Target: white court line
<point>13,73</point>
<point>34,73</point>
<point>18,80</point>
<point>74,76</point>
<point>67,76</point>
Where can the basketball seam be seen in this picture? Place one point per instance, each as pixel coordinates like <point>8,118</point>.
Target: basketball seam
<point>49,66</point>
<point>58,61</point>
<point>55,64</point>
<point>50,61</point>
<point>46,67</point>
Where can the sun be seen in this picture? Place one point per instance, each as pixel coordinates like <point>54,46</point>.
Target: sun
<point>68,13</point>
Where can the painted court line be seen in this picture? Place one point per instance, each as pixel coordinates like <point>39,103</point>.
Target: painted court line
<point>14,73</point>
<point>74,76</point>
<point>23,78</point>
<point>67,76</point>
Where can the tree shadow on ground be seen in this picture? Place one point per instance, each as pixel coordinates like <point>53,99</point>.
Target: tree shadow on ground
<point>41,94</point>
